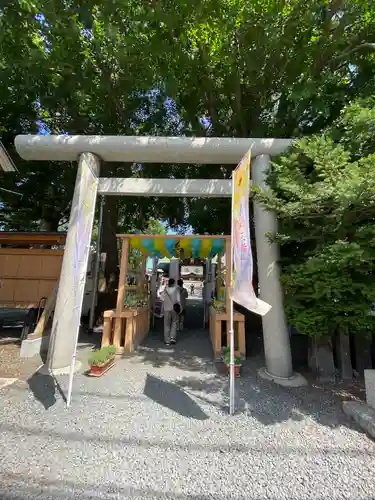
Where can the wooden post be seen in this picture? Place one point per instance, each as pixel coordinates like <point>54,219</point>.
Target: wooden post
<point>242,339</point>
<point>239,335</point>
<point>107,328</point>
<point>48,308</point>
<point>121,291</point>
<point>130,330</point>
<point>215,333</point>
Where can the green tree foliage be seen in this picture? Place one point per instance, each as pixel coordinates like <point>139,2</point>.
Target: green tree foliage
<point>208,68</point>
<point>155,227</point>
<point>261,69</point>
<point>323,192</point>
<point>79,69</point>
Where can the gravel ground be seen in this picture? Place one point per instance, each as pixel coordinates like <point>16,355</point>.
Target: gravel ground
<point>156,427</point>
<point>11,365</point>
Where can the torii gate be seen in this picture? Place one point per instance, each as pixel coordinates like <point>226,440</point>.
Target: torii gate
<point>88,150</point>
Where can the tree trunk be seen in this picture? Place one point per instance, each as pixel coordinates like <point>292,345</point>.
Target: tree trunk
<point>362,354</point>
<point>107,299</point>
<point>343,355</point>
<point>45,226</point>
<point>109,240</point>
<point>321,359</point>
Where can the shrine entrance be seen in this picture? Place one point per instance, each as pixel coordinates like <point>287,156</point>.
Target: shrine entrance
<point>90,150</point>
<point>138,305</point>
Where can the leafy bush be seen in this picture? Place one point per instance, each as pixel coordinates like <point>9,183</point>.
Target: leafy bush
<point>323,192</point>
<point>219,305</point>
<point>225,349</point>
<point>237,360</point>
<point>102,355</point>
<point>136,300</point>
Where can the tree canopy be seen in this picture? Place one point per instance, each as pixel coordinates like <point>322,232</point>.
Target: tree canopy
<point>265,68</point>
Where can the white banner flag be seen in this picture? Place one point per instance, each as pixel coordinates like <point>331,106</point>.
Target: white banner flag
<point>242,265</point>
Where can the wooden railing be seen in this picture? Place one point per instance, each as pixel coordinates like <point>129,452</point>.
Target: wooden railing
<point>134,326</point>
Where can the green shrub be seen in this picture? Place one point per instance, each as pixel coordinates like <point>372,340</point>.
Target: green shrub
<point>218,305</point>
<point>102,355</point>
<point>323,193</point>
<point>237,360</point>
<point>226,349</point>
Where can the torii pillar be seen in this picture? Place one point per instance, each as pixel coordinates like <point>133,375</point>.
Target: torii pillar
<point>276,338</point>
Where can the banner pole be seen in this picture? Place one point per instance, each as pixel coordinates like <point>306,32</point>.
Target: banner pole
<point>71,371</point>
<point>232,387</point>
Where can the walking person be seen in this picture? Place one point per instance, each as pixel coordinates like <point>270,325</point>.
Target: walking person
<point>183,296</point>
<point>170,295</point>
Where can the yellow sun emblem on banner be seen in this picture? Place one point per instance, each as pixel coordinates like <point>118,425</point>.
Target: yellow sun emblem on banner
<point>241,180</point>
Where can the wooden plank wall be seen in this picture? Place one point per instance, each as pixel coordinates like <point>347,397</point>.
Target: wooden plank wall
<point>27,275</point>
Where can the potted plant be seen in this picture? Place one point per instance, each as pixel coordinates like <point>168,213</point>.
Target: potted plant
<point>225,351</point>
<point>237,362</point>
<point>219,305</point>
<point>102,360</point>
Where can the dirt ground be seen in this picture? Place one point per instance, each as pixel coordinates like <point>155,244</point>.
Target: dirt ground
<point>12,366</point>
<point>343,389</point>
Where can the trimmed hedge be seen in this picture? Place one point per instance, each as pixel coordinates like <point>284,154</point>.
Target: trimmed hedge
<point>102,355</point>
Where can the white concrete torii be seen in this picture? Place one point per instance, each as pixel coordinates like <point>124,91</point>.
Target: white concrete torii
<point>142,149</point>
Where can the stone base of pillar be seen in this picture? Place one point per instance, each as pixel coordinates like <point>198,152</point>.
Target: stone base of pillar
<point>33,346</point>
<point>296,380</point>
<point>45,370</point>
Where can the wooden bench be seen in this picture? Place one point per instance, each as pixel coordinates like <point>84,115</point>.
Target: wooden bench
<point>135,325</point>
<point>216,329</point>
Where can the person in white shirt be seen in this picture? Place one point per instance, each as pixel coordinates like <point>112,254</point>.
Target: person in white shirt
<point>170,295</point>
<point>183,296</point>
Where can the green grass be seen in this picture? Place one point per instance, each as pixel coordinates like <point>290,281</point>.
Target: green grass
<point>102,355</point>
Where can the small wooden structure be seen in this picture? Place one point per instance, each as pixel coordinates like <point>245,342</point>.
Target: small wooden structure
<point>134,325</point>
<point>217,319</point>
<point>126,327</point>
<point>28,270</point>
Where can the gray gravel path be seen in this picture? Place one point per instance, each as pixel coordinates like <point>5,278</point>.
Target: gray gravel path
<point>156,427</point>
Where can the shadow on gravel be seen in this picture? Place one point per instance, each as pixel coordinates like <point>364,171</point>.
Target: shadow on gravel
<point>267,402</point>
<point>44,387</point>
<point>173,397</point>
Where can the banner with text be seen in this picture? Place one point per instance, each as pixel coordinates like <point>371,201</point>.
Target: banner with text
<point>242,264</point>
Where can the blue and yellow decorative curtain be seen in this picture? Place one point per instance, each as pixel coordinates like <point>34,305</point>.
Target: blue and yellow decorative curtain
<point>198,248</point>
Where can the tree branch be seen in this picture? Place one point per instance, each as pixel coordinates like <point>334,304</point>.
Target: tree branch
<point>361,46</point>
